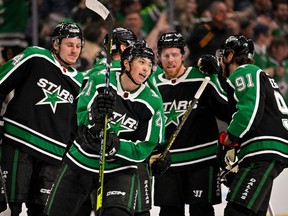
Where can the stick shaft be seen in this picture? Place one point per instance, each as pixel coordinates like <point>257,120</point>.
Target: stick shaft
<point>185,116</point>
<point>99,197</point>
<point>101,10</point>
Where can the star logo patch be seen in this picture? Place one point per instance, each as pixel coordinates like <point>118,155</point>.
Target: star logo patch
<point>173,116</point>
<point>52,99</point>
<point>122,124</point>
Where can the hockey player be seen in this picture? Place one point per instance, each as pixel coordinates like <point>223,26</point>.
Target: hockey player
<point>40,120</point>
<point>121,39</point>
<point>259,128</point>
<point>192,177</point>
<point>133,132</point>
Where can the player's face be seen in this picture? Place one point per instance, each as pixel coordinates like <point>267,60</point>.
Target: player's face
<point>171,60</point>
<point>69,49</point>
<point>141,69</point>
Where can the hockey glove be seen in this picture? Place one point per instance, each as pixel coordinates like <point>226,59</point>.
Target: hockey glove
<point>226,157</point>
<point>112,146</point>
<point>159,166</point>
<point>103,104</point>
<point>89,141</point>
<point>1,128</point>
<point>227,178</point>
<point>208,64</point>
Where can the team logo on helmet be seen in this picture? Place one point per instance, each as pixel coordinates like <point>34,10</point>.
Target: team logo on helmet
<point>67,30</point>
<point>171,39</point>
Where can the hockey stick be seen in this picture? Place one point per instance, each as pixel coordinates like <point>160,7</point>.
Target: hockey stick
<point>101,10</point>
<point>232,165</point>
<point>185,116</point>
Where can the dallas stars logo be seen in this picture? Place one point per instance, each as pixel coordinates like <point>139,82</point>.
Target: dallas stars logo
<point>122,124</point>
<point>173,115</point>
<point>52,99</point>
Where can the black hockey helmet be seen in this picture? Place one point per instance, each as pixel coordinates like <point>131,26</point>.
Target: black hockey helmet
<point>67,30</point>
<point>139,49</point>
<point>251,49</point>
<point>171,39</point>
<point>239,44</point>
<point>121,36</point>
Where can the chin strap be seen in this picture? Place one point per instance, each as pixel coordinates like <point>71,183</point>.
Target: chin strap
<point>58,56</point>
<point>131,78</point>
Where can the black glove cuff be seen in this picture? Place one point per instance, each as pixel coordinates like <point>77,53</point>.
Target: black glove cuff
<point>113,145</point>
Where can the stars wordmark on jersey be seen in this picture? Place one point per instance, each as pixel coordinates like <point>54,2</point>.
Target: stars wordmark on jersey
<point>174,111</point>
<point>122,123</point>
<point>53,94</point>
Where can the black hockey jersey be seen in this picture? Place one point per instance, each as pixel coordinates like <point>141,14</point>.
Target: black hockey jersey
<point>260,118</point>
<point>196,143</point>
<point>41,117</point>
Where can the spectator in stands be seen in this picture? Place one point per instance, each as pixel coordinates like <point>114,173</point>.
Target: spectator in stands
<point>280,12</point>
<point>150,14</point>
<point>233,25</point>
<point>185,12</point>
<point>94,34</point>
<point>278,53</point>
<point>262,38</point>
<point>54,6</point>
<point>83,15</point>
<point>134,22</point>
<point>206,36</point>
<point>246,27</point>
<point>257,8</point>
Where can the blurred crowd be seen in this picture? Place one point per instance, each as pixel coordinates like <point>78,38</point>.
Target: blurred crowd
<point>203,23</point>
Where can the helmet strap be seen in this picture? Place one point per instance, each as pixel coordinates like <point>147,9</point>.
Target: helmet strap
<point>58,54</point>
<point>130,77</point>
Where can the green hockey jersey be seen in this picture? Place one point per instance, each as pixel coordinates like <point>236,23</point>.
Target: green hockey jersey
<point>137,121</point>
<point>260,118</point>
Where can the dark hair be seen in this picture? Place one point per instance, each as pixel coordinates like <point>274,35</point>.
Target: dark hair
<point>276,3</point>
<point>277,41</point>
<point>260,29</point>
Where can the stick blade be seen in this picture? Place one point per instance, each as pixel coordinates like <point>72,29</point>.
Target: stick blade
<point>98,8</point>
